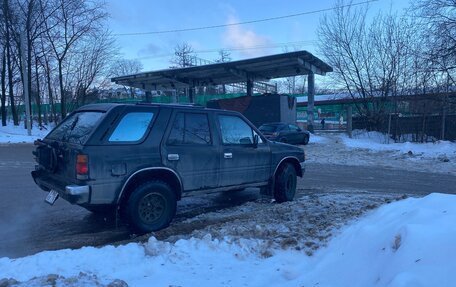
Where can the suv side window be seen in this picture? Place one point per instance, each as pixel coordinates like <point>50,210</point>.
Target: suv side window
<point>235,130</point>
<point>132,127</point>
<point>190,128</point>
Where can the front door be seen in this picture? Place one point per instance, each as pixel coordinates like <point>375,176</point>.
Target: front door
<point>189,149</point>
<point>241,161</point>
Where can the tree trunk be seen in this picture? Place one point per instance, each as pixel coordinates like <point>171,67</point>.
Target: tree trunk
<point>3,80</point>
<point>29,58</point>
<point>10,86</point>
<point>9,64</point>
<point>38,92</point>
<point>49,86</point>
<point>62,92</point>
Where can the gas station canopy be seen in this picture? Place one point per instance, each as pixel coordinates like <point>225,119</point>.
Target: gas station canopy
<point>250,70</point>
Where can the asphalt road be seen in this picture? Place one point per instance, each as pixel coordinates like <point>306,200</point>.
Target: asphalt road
<point>28,225</point>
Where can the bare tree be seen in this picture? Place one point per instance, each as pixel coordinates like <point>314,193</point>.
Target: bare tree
<point>92,60</point>
<point>184,55</point>
<point>369,59</point>
<point>438,29</point>
<point>7,18</point>
<point>224,56</point>
<point>122,67</point>
<point>440,17</point>
<point>73,20</point>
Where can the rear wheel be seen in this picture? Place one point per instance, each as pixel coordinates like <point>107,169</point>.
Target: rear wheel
<point>151,206</point>
<point>285,184</point>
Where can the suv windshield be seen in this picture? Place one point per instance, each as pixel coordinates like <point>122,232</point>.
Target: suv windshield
<point>76,128</point>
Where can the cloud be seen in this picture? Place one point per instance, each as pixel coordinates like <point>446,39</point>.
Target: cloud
<point>240,37</point>
<point>149,49</point>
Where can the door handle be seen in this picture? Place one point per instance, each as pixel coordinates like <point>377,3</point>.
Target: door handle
<point>228,155</point>
<point>173,156</point>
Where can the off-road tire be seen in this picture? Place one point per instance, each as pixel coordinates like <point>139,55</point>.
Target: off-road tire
<point>285,183</point>
<point>151,207</point>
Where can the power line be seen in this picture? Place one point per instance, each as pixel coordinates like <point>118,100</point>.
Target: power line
<point>214,50</point>
<point>245,22</point>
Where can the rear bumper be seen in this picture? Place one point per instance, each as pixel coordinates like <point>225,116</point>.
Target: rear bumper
<point>74,194</point>
<point>77,194</point>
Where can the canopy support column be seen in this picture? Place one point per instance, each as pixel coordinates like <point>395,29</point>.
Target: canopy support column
<point>249,87</point>
<point>310,101</point>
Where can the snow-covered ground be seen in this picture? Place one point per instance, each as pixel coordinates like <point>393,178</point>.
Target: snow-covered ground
<point>373,149</point>
<point>336,238</point>
<point>18,134</point>
<point>405,243</point>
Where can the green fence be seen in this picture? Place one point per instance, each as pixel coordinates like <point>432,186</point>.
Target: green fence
<point>46,109</point>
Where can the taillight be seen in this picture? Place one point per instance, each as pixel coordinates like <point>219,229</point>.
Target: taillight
<point>82,166</point>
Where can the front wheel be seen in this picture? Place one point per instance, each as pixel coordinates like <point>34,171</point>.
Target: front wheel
<point>151,206</point>
<point>285,184</point>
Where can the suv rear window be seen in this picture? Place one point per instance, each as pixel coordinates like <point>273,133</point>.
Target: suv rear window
<point>76,128</point>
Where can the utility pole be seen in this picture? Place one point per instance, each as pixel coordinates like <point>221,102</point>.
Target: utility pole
<point>28,118</point>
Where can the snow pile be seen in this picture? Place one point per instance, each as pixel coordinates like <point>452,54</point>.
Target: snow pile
<point>18,134</point>
<point>372,149</point>
<point>406,243</point>
<point>376,141</point>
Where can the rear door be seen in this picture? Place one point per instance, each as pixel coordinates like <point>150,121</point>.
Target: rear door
<point>241,162</point>
<point>190,150</point>
<point>58,150</point>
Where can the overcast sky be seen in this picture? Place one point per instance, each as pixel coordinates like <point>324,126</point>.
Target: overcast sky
<point>155,50</point>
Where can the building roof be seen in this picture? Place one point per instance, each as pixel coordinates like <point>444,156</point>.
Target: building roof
<point>255,69</point>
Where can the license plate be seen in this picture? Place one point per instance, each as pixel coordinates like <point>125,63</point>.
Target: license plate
<point>52,197</point>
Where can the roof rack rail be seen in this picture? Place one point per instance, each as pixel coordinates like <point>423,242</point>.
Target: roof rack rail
<point>171,105</point>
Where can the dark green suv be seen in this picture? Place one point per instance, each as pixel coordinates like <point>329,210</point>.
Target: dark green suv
<point>140,159</point>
